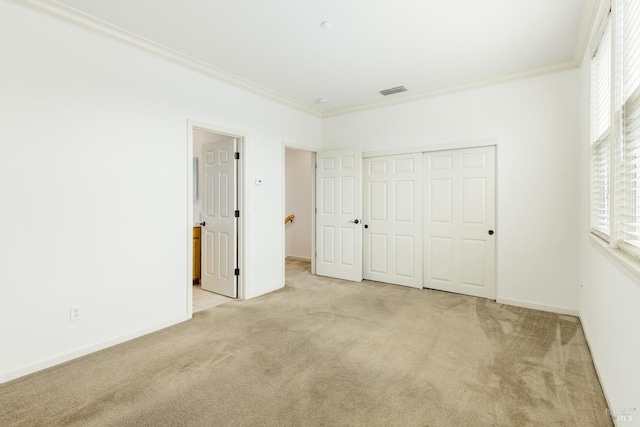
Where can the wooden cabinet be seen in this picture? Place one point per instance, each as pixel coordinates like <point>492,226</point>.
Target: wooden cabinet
<point>196,254</point>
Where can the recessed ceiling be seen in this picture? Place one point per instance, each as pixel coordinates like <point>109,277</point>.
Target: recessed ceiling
<point>371,45</point>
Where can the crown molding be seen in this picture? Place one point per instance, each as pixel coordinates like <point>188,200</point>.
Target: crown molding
<point>102,28</point>
<point>587,22</point>
<point>461,87</point>
<point>97,26</point>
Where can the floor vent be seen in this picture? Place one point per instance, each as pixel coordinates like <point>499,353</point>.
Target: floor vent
<point>393,90</point>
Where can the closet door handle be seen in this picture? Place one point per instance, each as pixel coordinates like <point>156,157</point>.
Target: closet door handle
<point>355,221</point>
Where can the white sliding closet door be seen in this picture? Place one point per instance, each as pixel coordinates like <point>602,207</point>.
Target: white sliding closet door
<point>459,221</point>
<point>393,219</point>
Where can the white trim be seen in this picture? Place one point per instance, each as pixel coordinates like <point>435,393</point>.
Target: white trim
<point>189,278</point>
<point>587,22</point>
<point>455,145</point>
<point>313,212</point>
<point>594,358</point>
<point>102,28</point>
<point>251,295</point>
<point>541,307</point>
<point>626,263</point>
<point>283,174</point>
<point>8,376</point>
<point>242,179</point>
<point>302,147</point>
<point>457,87</point>
<point>598,25</point>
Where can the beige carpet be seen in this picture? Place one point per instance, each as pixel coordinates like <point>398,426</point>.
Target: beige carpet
<point>325,352</point>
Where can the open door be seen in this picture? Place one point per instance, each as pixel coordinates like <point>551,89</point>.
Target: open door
<point>219,205</point>
<point>339,214</point>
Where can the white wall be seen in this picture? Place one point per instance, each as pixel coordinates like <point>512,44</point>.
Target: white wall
<point>93,187</point>
<point>535,122</point>
<point>609,298</point>
<point>298,182</point>
<point>93,184</point>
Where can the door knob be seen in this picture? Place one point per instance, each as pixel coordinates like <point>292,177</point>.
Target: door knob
<point>355,221</point>
<point>490,232</point>
<point>203,223</point>
<point>366,226</point>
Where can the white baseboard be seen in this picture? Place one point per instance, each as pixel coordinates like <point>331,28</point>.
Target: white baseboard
<point>264,291</point>
<point>594,358</point>
<point>549,308</point>
<point>12,375</point>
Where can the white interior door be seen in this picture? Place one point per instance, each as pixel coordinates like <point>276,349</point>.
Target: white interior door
<point>459,211</point>
<point>219,234</point>
<point>339,214</point>
<point>392,219</point>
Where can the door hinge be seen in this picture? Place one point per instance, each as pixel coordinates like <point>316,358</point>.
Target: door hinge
<point>236,272</point>
<point>237,155</point>
<point>316,254</point>
<point>237,214</point>
<point>316,166</point>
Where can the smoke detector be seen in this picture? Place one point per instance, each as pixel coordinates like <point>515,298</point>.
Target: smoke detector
<point>397,89</point>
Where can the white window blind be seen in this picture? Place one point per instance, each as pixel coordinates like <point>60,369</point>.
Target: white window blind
<point>631,46</point>
<point>601,126</point>
<point>628,174</point>
<point>600,200</point>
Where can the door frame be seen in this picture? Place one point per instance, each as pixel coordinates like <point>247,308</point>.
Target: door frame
<point>313,151</point>
<point>455,145</point>
<point>242,138</point>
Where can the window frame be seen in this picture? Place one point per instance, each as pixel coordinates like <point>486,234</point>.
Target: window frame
<point>627,105</point>
<point>602,137</point>
<point>622,185</point>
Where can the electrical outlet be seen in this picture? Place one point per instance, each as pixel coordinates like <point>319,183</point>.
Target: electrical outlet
<point>76,312</point>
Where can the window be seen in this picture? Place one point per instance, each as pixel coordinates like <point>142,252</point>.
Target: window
<point>615,130</point>
<point>628,90</point>
<point>600,135</point>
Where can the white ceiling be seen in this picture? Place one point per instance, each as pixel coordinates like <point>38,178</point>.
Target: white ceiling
<point>426,45</point>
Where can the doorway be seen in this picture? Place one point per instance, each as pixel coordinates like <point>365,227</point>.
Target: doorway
<point>299,221</point>
<point>215,224</point>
